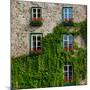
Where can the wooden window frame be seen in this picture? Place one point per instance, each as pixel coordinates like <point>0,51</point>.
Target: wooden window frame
<point>68,71</point>
<point>69,13</point>
<point>68,42</point>
<point>31,42</point>
<point>36,8</point>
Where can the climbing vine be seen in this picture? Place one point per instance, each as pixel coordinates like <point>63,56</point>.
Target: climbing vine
<point>46,69</point>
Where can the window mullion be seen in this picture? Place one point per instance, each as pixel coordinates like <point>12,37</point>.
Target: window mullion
<point>32,42</point>
<point>68,72</point>
<point>36,42</point>
<point>68,42</point>
<point>36,12</point>
<point>63,41</point>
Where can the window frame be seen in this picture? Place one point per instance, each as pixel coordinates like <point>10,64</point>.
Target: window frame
<point>68,41</point>
<point>36,8</point>
<point>31,41</point>
<point>68,71</point>
<point>68,13</point>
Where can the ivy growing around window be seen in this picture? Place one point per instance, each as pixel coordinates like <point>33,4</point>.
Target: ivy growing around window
<point>68,42</point>
<point>35,42</point>
<point>48,68</point>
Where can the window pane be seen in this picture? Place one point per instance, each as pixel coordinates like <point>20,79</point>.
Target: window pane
<point>65,37</point>
<point>34,15</point>
<point>70,45</point>
<point>70,74</point>
<point>34,10</point>
<point>70,42</point>
<point>65,43</point>
<point>71,37</point>
<point>65,16</point>
<point>65,13</point>
<point>65,10</point>
<point>34,38</point>
<point>70,68</point>
<point>65,68</point>
<point>39,15</point>
<point>34,44</point>
<point>39,11</point>
<point>39,44</point>
<point>65,76</point>
<point>39,38</point>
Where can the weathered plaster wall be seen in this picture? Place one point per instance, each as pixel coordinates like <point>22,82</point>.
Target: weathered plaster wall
<point>20,20</point>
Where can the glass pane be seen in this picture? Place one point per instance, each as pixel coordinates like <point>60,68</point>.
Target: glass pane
<point>71,37</point>
<point>70,12</point>
<point>65,37</point>
<point>38,38</point>
<point>39,15</point>
<point>65,10</point>
<point>65,43</point>
<point>34,10</point>
<point>70,74</point>
<point>34,44</point>
<point>39,44</point>
<point>39,11</point>
<point>34,38</point>
<point>65,68</point>
<point>70,68</point>
<point>70,42</point>
<point>65,76</point>
<point>70,46</point>
<point>65,16</point>
<point>34,15</point>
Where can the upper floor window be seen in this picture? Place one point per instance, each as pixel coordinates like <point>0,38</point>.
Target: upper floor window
<point>68,42</point>
<point>36,42</point>
<point>67,13</point>
<point>68,72</point>
<point>36,12</point>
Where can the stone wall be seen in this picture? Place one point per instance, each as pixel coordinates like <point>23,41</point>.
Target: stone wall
<point>20,20</point>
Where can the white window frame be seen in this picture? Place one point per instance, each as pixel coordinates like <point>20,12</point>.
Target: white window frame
<point>67,71</point>
<point>68,13</point>
<point>67,40</point>
<point>36,35</point>
<point>36,12</point>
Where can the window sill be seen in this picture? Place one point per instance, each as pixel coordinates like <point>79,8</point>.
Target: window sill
<point>68,23</point>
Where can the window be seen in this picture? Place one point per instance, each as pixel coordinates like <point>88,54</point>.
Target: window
<point>36,12</point>
<point>67,13</point>
<point>36,42</point>
<point>68,73</point>
<point>68,42</point>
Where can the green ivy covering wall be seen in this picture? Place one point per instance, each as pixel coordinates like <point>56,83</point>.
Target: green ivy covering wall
<point>46,69</point>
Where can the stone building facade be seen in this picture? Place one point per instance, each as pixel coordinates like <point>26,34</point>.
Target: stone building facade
<point>51,14</point>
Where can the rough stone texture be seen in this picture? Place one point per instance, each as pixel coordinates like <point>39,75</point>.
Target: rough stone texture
<point>51,13</point>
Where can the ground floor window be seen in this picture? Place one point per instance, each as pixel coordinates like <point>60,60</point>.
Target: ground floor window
<point>68,73</point>
<point>35,41</point>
